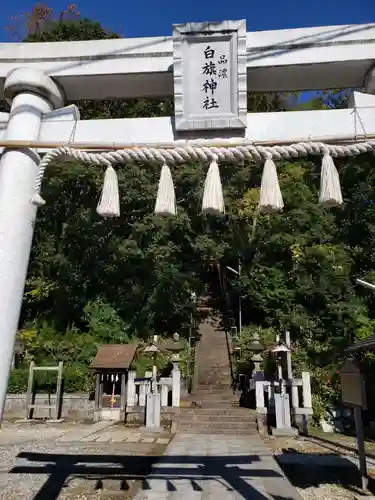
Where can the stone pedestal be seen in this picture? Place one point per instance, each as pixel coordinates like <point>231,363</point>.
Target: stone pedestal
<point>282,411</point>
<point>176,383</point>
<point>113,414</point>
<point>164,395</point>
<point>130,390</point>
<point>153,411</point>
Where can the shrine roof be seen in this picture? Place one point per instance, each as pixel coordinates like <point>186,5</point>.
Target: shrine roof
<point>114,357</point>
<point>367,344</point>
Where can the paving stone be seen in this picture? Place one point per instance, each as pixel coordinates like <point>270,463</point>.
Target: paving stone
<point>118,438</point>
<point>132,439</point>
<point>81,432</point>
<point>148,440</point>
<point>104,438</point>
<point>90,438</point>
<point>163,441</point>
<point>201,468</point>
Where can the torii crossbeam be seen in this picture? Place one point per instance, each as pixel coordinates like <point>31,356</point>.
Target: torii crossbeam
<point>38,80</point>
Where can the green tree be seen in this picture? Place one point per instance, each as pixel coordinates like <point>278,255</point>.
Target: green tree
<point>93,280</point>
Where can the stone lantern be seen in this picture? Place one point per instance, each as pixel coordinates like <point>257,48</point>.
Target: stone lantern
<point>256,348</point>
<point>174,347</point>
<point>282,352</point>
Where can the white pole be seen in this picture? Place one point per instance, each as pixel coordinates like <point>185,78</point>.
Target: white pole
<point>18,169</point>
<point>288,356</point>
<point>366,284</point>
<point>180,143</point>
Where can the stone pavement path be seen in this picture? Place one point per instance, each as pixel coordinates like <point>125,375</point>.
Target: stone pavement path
<point>217,467</point>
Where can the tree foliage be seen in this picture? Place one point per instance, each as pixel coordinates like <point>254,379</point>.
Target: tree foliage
<point>92,280</point>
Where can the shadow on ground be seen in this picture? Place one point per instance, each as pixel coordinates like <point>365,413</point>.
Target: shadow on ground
<point>330,445</point>
<point>306,470</point>
<point>132,473</point>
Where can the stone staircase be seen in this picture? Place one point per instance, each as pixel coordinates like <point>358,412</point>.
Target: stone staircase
<point>214,409</point>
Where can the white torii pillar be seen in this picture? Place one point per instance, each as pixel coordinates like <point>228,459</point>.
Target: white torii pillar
<point>31,94</point>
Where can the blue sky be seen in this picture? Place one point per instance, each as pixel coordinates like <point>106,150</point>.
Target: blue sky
<point>150,18</point>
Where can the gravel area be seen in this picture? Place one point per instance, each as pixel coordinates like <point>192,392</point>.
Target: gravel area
<point>321,465</point>
<point>43,463</point>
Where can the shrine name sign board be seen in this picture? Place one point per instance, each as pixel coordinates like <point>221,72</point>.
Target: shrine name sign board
<point>210,79</point>
<point>353,391</point>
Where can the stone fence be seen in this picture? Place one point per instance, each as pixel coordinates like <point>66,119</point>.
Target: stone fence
<point>81,406</point>
<point>299,390</point>
<point>75,406</point>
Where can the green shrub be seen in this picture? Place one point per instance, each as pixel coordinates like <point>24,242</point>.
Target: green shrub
<point>18,381</point>
<point>78,379</point>
<point>75,379</point>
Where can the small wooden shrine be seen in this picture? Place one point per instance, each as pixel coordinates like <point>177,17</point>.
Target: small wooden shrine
<point>111,365</point>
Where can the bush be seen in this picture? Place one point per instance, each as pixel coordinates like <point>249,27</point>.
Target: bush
<point>75,379</point>
<point>78,379</point>
<point>18,381</point>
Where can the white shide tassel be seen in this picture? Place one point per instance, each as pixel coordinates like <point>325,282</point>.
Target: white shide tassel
<point>271,199</point>
<point>166,198</point>
<point>109,204</point>
<point>37,200</point>
<point>213,198</point>
<point>330,190</point>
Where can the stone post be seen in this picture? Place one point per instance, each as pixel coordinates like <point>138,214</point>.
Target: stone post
<point>306,400</point>
<point>259,396</point>
<point>306,390</point>
<point>164,384</point>
<point>142,394</point>
<point>176,381</point>
<point>123,391</point>
<point>31,93</point>
<point>130,392</point>
<point>144,389</point>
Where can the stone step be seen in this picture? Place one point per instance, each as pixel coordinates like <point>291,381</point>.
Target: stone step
<point>217,426</point>
<point>211,399</point>
<point>211,411</point>
<point>201,398</point>
<point>208,431</point>
<point>230,430</point>
<point>216,418</point>
<point>214,389</point>
<point>219,405</point>
<point>223,373</point>
<point>215,382</point>
<point>221,385</point>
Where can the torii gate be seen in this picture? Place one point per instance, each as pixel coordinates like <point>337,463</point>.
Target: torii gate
<point>38,79</point>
